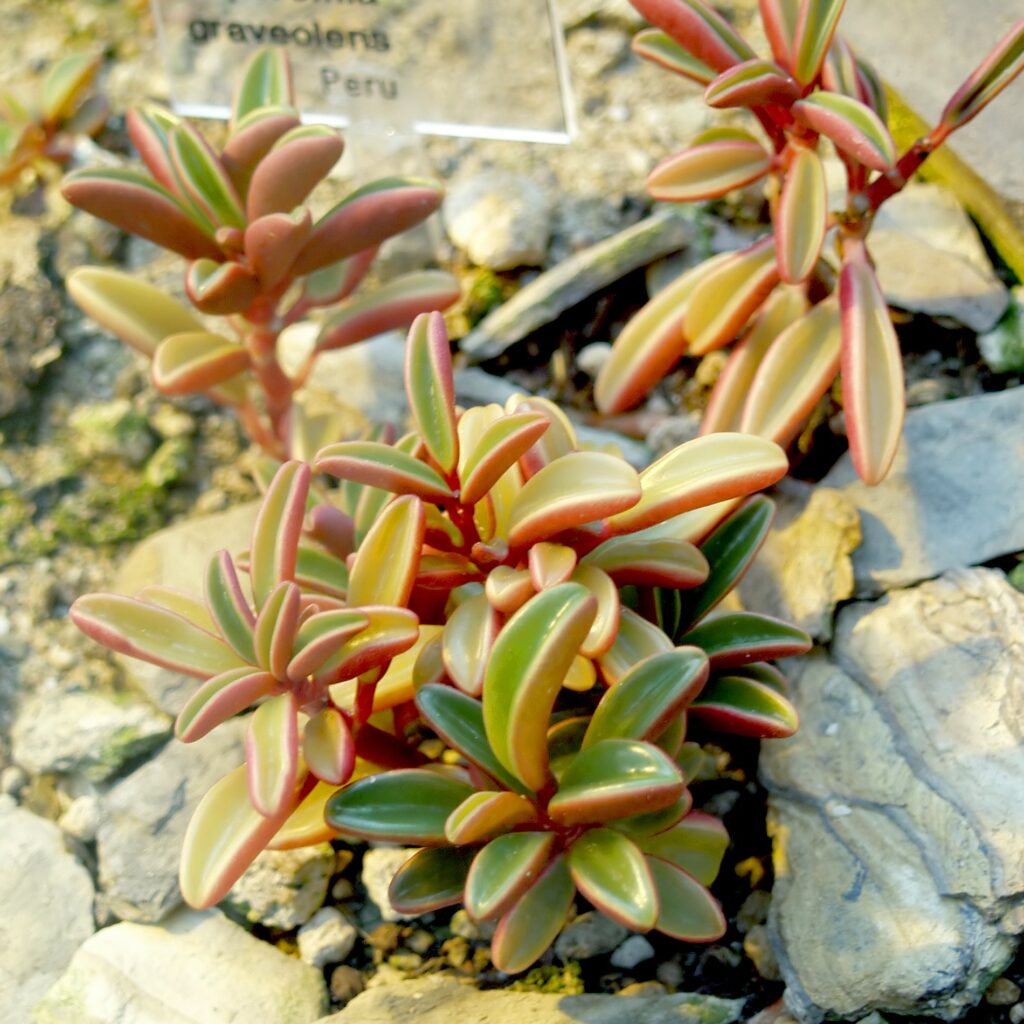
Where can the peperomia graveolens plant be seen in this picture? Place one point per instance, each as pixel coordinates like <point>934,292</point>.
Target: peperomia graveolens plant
<point>796,324</point>
<point>256,257</point>
<point>541,610</point>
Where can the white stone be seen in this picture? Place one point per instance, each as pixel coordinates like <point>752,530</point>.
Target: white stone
<point>82,818</point>
<point>590,934</point>
<point>46,896</point>
<point>284,888</point>
<point>635,950</point>
<point>379,866</point>
<point>198,968</point>
<point>326,938</point>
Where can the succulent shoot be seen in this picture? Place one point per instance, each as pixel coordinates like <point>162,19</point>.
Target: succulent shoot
<point>43,131</point>
<point>256,256</point>
<point>541,610</point>
<point>794,326</point>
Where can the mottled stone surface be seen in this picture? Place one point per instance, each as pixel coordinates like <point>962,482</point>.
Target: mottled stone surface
<point>283,888</point>
<point>896,811</point>
<point>953,498</point>
<point>198,968</point>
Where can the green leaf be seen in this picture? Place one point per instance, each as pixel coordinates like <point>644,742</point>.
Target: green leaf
<point>710,170</point>
<point>221,698</point>
<point>385,566</point>
<point>320,637</point>
<point>995,73</point>
<point>229,607</point>
<point>391,632</point>
<point>496,450</point>
<point>272,754</point>
<point>196,361</point>
<point>853,126</point>
<point>408,806</point>
<point>485,815</point>
<point>697,845</point>
<point>152,634</point>
<point>660,48</point>
<point>532,924</point>
<point>801,217</point>
<point>612,873</point>
<point>639,826</point>
<point>615,778</point>
<point>316,569</point>
<point>578,488</point>
<point>741,637</point>
<point>703,32</point>
<point>429,880</point>
<point>816,24</point>
<point>503,870</point>
<point>202,177</point>
<point>277,530</point>
<point>729,551</point>
<point>275,629</point>
<point>469,635</point>
<point>650,562</point>
<point>382,465</point>
<point>459,720</point>
<point>266,82</point>
<point>648,697</point>
<point>431,388</point>
<point>636,639</point>
<point>746,707</point>
<point>64,84</point>
<point>688,911</point>
<point>328,748</point>
<point>525,672</point>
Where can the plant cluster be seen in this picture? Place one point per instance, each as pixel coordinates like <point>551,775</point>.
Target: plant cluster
<point>486,643</point>
<point>800,311</point>
<point>35,133</point>
<point>256,256</point>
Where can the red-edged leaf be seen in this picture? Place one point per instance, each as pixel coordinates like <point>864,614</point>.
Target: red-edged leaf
<point>660,48</point>
<point>431,388</point>
<point>636,639</point>
<point>320,636</point>
<point>503,870</point>
<point>384,466</point>
<point>429,880</point>
<point>687,911</point>
<point>196,361</point>
<point>275,629</point>
<point>273,242</point>
<point>815,26</point>
<point>612,873</point>
<point>229,606</point>
<point>272,754</point>
<point>388,558</point>
<point>741,637</point>
<point>508,589</point>
<point>550,564</point>
<point>391,632</point>
<point>278,527</point>
<point>297,162</point>
<point>697,845</point>
<point>148,127</point>
<point>337,281</point>
<point>202,179</point>
<point>1003,64</point>
<point>801,216</point>
<point>220,289</point>
<point>496,450</point>
<point>854,127</point>
<point>698,29</point>
<point>469,636</point>
<point>558,440</point>
<point>650,562</point>
<point>327,747</point>
<point>485,815</point>
<point>752,84</point>
<point>746,707</point>
<point>872,369</point>
<point>265,82</point>
<point>606,623</point>
<point>251,140</point>
<point>221,698</point>
<point>779,18</point>
<point>721,160</point>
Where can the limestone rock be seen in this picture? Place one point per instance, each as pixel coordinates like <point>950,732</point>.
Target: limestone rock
<point>590,934</point>
<point>283,888</point>
<point>198,968</point>
<point>177,557</point>
<point>804,569</point>
<point>930,259</point>
<point>144,819</point>
<point>379,867</point>
<point>952,499</point>
<point>84,733</point>
<point>326,938</point>
<point>501,220</point>
<point>46,897</point>
<point>896,811</point>
<point>634,951</point>
<point>440,1000</point>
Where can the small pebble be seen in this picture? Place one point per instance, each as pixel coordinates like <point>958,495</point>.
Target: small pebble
<point>342,890</point>
<point>456,950</point>
<point>635,950</point>
<point>465,927</point>
<point>420,941</point>
<point>592,357</point>
<point>82,818</point>
<point>753,911</point>
<point>385,937</point>
<point>644,988</point>
<point>670,973</point>
<point>326,938</point>
<point>1017,1014</point>
<point>13,780</point>
<point>346,984</point>
<point>591,934</point>
<point>1002,992</point>
<point>759,950</point>
<point>405,961</point>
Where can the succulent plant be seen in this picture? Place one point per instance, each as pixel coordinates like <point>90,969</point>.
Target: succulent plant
<point>796,324</point>
<point>256,256</point>
<point>541,610</point>
<point>44,130</point>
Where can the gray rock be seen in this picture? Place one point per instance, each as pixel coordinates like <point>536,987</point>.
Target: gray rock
<point>177,557</point>
<point>553,292</point>
<point>896,811</point>
<point>198,968</point>
<point>46,897</point>
<point>379,867</point>
<point>501,220</point>
<point>944,41</point>
<point>635,950</point>
<point>326,938</point>
<point>440,1000</point>
<point>930,259</point>
<point>283,888</point>
<point>590,934</point>
<point>82,818</point>
<point>952,499</point>
<point>112,428</point>
<point>28,337</point>
<point>1003,347</point>
<point>84,733</point>
<point>804,569</point>
<point>144,820</point>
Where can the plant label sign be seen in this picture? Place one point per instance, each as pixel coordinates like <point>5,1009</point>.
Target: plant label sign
<point>489,69</point>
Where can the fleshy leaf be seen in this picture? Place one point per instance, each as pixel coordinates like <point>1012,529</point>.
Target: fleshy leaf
<point>578,488</point>
<point>612,873</point>
<point>1003,64</point>
<point>503,870</point>
<point>275,629</point>
<point>221,698</point>
<point>295,165</point>
<point>468,637</point>
<point>151,633</point>
<point>741,637</point>
<point>606,622</point>
<point>660,48</point>
<point>220,289</point>
<point>704,471</point>
<point>525,931</point>
<point>698,29</point>
<point>650,562</point>
<point>779,18</point>
<point>229,607</point>
<point>278,527</point>
<point>327,747</point>
<point>508,589</point>
<point>729,160</point>
<point>815,26</point>
<point>273,242</point>
<point>496,450</point>
<point>320,636</point>
<point>687,910</point>
<point>65,83</point>
<point>266,82</point>
<point>429,880</point>
<point>391,632</point>
<point>384,466</point>
<point>697,845</point>
<point>746,707</point>
<point>196,361</point>
<point>202,178</point>
<point>853,126</point>
<point>431,388</point>
<point>615,778</point>
<point>525,672</point>
<point>272,754</point>
<point>387,560</point>
<point>636,639</point>
<point>223,838</point>
<point>485,815</point>
<point>306,826</point>
<point>649,696</point>
<point>872,370</point>
<point>725,298</point>
<point>407,806</point>
<point>751,84</point>
<point>802,216</point>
